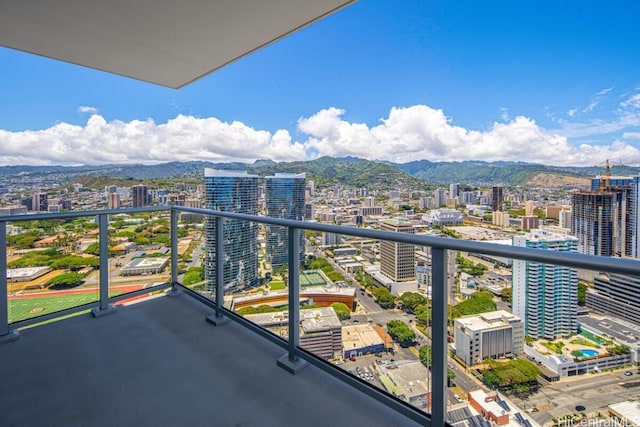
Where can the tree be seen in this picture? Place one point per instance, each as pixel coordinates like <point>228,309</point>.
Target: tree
<point>401,332</point>
<point>516,373</point>
<point>423,314</point>
<point>412,299</point>
<point>65,280</point>
<point>425,355</point>
<point>582,293</point>
<point>480,302</point>
<point>341,310</point>
<point>193,275</point>
<point>506,294</point>
<point>93,249</point>
<point>384,297</point>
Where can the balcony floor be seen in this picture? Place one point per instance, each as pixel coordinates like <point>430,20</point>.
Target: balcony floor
<point>159,363</point>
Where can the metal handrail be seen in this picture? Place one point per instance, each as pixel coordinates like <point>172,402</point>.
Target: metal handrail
<point>439,246</point>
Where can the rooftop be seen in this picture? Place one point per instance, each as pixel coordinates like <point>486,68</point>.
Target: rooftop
<point>158,362</point>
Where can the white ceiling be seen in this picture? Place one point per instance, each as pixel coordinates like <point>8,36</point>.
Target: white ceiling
<point>170,43</point>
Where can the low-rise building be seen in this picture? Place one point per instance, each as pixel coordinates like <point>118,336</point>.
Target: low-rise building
<point>490,406</point>
<point>363,339</point>
<point>491,335</point>
<point>142,266</point>
<point>320,329</point>
<point>408,380</point>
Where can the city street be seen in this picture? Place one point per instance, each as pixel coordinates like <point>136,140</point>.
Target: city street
<point>593,391</point>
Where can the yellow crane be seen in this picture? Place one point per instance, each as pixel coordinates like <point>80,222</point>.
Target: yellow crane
<point>606,182</point>
<point>607,173</point>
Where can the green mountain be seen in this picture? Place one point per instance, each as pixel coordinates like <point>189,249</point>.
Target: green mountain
<point>479,172</point>
<point>353,171</point>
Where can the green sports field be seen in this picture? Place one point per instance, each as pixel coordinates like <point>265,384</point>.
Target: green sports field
<point>26,308</point>
<point>311,278</point>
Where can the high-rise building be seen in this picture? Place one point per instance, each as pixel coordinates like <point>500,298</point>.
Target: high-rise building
<point>113,201</point>
<point>496,198</point>
<point>285,199</point>
<point>140,195</point>
<point>454,191</point>
<point>618,294</point>
<point>528,208</point>
<point>397,260</point>
<point>545,296</point>
<point>440,195</point>
<point>232,191</point>
<point>39,202</point>
<point>603,222</point>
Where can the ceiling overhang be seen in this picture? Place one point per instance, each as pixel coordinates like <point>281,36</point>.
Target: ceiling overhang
<point>170,43</point>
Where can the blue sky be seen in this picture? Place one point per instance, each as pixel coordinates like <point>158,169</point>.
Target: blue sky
<point>548,82</point>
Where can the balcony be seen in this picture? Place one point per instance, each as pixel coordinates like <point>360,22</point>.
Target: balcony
<point>158,362</point>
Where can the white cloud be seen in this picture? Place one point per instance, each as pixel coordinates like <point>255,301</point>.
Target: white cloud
<point>504,114</point>
<point>589,108</point>
<point>632,102</point>
<point>572,112</point>
<point>410,133</point>
<point>604,91</point>
<point>87,110</point>
<point>421,132</point>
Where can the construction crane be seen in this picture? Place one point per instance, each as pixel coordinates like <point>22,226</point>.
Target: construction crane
<point>606,182</point>
<point>607,173</point>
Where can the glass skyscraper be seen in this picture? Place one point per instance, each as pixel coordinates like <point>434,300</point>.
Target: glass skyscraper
<point>546,295</point>
<point>285,199</point>
<point>232,191</point>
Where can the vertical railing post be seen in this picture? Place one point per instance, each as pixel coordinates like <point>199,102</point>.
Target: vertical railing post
<point>5,334</point>
<point>174,246</point>
<point>105,307</point>
<point>290,361</point>
<point>439,337</point>
<point>218,318</point>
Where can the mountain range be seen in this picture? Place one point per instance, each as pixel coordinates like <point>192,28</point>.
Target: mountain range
<point>347,170</point>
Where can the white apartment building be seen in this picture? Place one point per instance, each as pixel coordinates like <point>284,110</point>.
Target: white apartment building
<point>546,295</point>
<point>493,335</point>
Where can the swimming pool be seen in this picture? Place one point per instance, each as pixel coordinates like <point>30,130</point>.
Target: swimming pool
<point>589,353</point>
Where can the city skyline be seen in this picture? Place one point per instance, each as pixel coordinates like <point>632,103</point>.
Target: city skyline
<point>373,81</point>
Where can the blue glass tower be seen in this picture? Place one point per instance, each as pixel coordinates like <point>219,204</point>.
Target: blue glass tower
<point>285,197</point>
<point>232,191</point>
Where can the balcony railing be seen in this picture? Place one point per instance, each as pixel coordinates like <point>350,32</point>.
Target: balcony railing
<point>296,357</point>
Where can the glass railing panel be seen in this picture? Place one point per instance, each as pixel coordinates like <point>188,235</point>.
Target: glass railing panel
<point>139,252</point>
<point>257,286</point>
<point>191,251</point>
<point>48,267</point>
<point>380,294</point>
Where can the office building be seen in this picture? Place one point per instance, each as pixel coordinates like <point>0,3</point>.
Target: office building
<point>440,196</point>
<point>545,295</point>
<point>496,198</point>
<point>139,196</point>
<point>39,202</point>
<point>564,219</point>
<point>602,222</point>
<point>618,294</point>
<point>232,191</point>
<point>528,208</point>
<point>397,260</point>
<point>529,222</point>
<point>285,197</point>
<point>492,335</point>
<point>113,201</point>
<point>454,191</point>
<point>320,329</point>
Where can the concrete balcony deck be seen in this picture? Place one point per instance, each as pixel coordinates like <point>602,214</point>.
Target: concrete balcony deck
<point>159,363</point>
